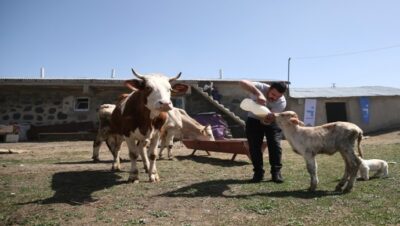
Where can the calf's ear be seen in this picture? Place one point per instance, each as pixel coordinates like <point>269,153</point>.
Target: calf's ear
<point>295,121</point>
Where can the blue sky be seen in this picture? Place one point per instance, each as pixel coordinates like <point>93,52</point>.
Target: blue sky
<point>350,43</point>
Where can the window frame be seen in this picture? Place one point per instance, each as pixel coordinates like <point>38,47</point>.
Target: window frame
<point>78,100</point>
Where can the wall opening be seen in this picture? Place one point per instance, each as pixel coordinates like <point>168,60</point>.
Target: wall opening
<point>336,112</point>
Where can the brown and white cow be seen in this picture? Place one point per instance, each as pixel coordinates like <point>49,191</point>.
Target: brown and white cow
<point>140,116</point>
<point>180,125</point>
<point>325,139</point>
<point>113,140</point>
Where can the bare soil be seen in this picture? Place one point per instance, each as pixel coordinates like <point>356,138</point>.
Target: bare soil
<point>56,183</point>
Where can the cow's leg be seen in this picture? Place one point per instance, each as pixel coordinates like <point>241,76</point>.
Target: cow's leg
<point>114,145</point>
<point>153,174</point>
<point>143,154</point>
<point>162,145</point>
<point>312,170</point>
<point>170,140</point>
<point>133,156</point>
<point>170,156</point>
<point>355,163</point>
<point>96,147</point>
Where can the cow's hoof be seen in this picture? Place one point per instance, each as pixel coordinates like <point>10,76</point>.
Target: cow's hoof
<point>115,169</point>
<point>96,160</point>
<point>310,189</point>
<point>338,188</point>
<point>154,178</point>
<point>347,190</point>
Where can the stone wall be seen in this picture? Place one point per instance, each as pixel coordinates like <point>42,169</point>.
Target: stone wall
<point>49,106</point>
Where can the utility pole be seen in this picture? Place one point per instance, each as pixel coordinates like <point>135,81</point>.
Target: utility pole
<point>288,70</point>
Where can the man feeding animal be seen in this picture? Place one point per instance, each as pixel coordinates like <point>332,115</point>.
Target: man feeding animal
<point>258,126</point>
<point>325,139</point>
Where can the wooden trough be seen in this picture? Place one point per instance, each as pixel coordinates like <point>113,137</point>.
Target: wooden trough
<point>233,146</point>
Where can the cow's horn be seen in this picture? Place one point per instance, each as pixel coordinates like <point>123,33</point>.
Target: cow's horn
<point>176,77</point>
<point>137,75</point>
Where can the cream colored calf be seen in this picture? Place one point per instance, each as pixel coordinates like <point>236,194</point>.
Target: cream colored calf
<point>325,139</point>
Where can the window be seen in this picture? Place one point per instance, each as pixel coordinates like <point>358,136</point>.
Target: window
<point>82,104</point>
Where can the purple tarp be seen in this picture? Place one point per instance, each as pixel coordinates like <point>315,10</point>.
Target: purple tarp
<point>218,125</point>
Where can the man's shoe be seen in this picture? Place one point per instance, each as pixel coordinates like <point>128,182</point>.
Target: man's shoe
<point>257,178</point>
<point>277,178</point>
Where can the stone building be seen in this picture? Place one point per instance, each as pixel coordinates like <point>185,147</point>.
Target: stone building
<point>68,108</point>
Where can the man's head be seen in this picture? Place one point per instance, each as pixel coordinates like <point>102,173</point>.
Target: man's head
<point>276,91</point>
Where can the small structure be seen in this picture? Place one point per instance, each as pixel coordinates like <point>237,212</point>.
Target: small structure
<point>372,108</point>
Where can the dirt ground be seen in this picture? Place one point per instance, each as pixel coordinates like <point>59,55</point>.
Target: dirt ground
<point>75,156</point>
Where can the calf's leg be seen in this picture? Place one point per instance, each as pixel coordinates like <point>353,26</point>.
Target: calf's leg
<point>355,163</point>
<point>312,170</point>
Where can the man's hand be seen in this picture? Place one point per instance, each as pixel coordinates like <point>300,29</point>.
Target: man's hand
<point>269,118</point>
<point>261,99</point>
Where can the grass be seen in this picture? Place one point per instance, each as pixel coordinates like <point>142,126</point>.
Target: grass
<point>67,189</point>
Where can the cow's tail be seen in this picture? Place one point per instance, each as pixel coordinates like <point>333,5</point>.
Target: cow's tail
<point>359,138</point>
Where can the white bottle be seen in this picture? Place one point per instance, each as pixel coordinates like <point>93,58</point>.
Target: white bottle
<point>257,109</point>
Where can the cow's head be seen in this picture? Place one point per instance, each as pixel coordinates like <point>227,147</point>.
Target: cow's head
<point>156,88</point>
<point>287,118</point>
<point>206,134</point>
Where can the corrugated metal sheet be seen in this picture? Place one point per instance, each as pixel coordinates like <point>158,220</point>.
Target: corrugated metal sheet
<point>343,92</point>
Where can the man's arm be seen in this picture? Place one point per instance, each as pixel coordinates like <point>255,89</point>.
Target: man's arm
<point>251,88</point>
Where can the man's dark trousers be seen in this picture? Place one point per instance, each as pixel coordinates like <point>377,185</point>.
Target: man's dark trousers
<point>255,132</point>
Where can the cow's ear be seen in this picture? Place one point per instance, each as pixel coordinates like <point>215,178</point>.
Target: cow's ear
<point>122,97</point>
<point>179,89</point>
<point>134,84</point>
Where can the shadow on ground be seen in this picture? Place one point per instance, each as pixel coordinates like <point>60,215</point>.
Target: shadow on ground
<point>92,162</point>
<point>213,161</point>
<point>221,188</point>
<point>77,187</point>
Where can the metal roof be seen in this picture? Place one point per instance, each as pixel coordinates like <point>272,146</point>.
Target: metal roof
<point>343,92</point>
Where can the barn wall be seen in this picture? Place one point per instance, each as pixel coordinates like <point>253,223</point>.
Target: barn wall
<point>383,111</point>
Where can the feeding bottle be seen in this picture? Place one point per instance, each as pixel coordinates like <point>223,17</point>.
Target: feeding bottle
<point>250,105</point>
